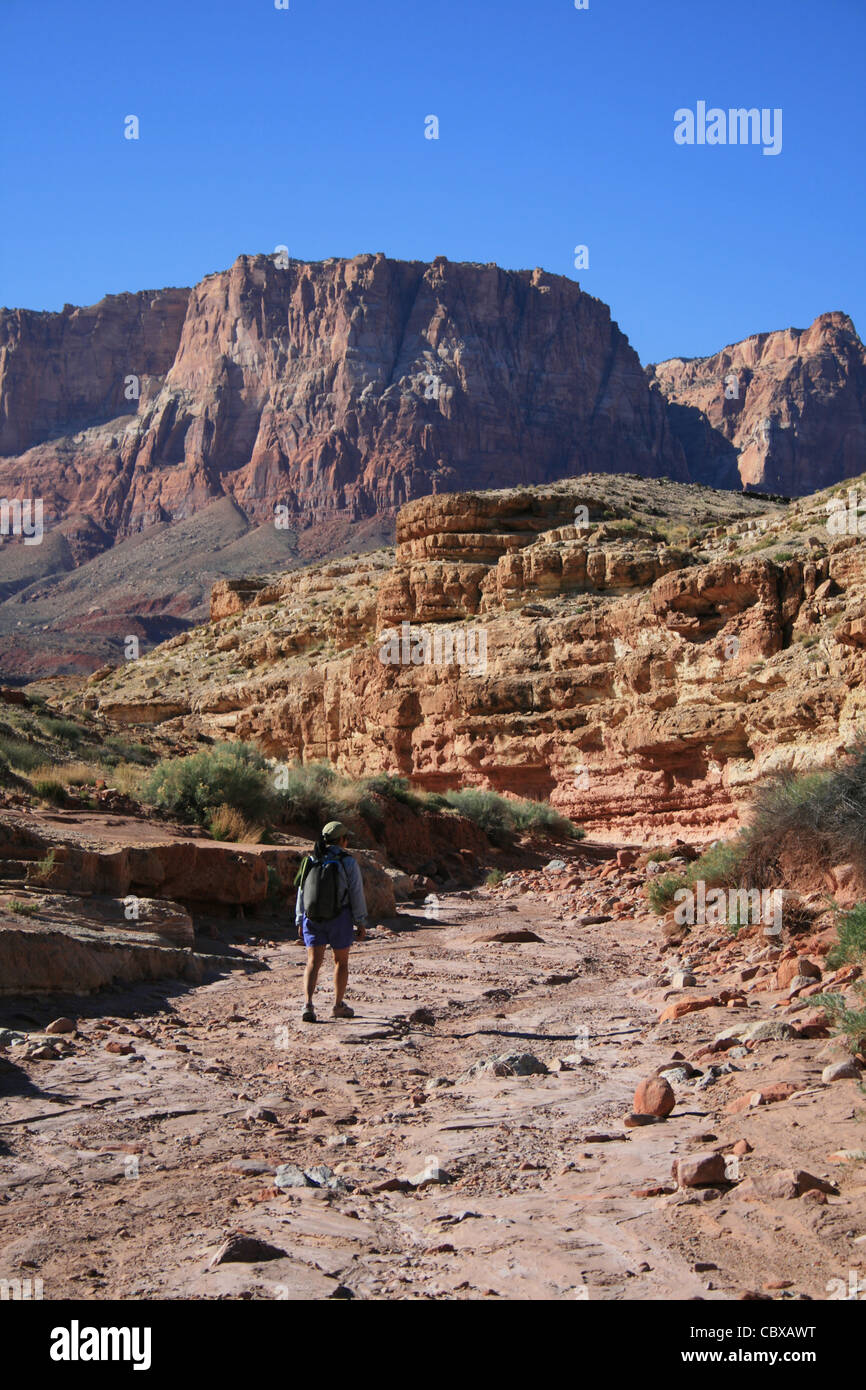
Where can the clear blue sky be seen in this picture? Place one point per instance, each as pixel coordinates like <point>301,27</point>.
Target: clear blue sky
<point>306,127</point>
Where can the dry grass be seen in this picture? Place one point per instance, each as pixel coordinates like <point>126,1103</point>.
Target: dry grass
<point>125,777</point>
<point>72,774</point>
<point>226,823</point>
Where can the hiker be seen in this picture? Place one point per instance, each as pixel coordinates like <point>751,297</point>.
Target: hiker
<point>330,898</point>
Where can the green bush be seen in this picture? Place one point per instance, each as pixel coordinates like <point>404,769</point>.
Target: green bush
<point>720,866</point>
<point>49,789</point>
<point>387,784</point>
<point>121,751</point>
<point>494,877</point>
<point>486,809</point>
<point>309,792</point>
<point>851,1022</point>
<point>229,774</point>
<point>540,815</point>
<point>662,889</point>
<point>500,817</point>
<point>21,755</point>
<point>850,948</point>
<point>65,729</point>
<point>821,813</point>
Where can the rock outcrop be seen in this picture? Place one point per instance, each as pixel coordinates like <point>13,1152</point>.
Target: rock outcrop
<point>281,413</point>
<point>640,670</point>
<point>782,412</point>
<point>337,386</point>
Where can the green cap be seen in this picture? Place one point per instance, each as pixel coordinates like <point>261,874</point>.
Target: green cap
<point>334,831</point>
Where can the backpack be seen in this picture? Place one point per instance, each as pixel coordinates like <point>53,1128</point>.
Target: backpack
<point>324,886</point>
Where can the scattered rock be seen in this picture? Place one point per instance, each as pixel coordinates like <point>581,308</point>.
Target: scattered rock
<point>842,1071</point>
<point>510,1064</point>
<point>768,1030</point>
<point>699,1170</point>
<point>513,936</point>
<point>654,1096</point>
<point>687,1006</point>
<point>62,1025</point>
<point>426,1017</point>
<point>240,1248</point>
<point>250,1166</point>
<point>795,967</point>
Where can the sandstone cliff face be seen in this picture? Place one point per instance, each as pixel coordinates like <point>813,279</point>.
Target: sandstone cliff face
<point>640,671</point>
<point>781,412</point>
<point>60,373</point>
<point>334,387</point>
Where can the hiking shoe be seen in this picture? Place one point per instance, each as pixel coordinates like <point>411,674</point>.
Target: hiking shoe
<point>343,1011</point>
<point>309,1014</point>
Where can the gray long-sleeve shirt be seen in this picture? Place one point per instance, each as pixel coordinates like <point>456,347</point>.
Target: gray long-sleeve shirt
<point>354,892</point>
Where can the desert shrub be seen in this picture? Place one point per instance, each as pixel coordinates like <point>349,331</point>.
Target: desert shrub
<point>494,877</point>
<point>500,817</point>
<point>64,729</point>
<point>119,748</point>
<point>229,774</point>
<point>23,909</point>
<point>386,784</point>
<point>41,870</point>
<point>850,948</point>
<point>540,815</point>
<point>71,774</point>
<point>310,792</point>
<point>486,809</point>
<point>49,789</point>
<point>662,889</point>
<point>848,1021</point>
<point>822,812</point>
<point>20,755</point>
<point>720,866</point>
<point>227,823</point>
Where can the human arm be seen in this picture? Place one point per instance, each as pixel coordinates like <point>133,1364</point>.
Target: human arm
<point>357,901</point>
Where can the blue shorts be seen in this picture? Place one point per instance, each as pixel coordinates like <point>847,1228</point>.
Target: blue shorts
<point>338,933</point>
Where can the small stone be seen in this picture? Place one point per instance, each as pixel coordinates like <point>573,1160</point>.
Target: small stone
<point>290,1175</point>
<point>699,1170</point>
<point>62,1025</point>
<point>426,1017</point>
<point>654,1096</point>
<point>240,1248</point>
<point>262,1114</point>
<point>841,1071</point>
<point>741,1147</point>
<point>514,935</point>
<point>432,1175</point>
<point>511,1064</point>
<point>768,1030</point>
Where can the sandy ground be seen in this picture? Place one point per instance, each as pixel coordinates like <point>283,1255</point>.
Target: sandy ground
<point>121,1174</point>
